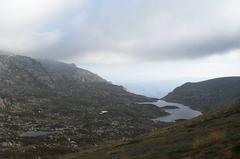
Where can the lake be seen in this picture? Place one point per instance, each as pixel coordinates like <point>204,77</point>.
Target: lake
<point>181,112</point>
<point>36,133</point>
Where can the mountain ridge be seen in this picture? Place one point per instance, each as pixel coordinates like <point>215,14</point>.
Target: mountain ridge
<point>206,95</point>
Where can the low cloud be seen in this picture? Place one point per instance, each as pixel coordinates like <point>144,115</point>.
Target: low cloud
<point>111,31</point>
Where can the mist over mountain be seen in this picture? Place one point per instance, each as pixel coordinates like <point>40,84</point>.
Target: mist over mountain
<point>119,79</point>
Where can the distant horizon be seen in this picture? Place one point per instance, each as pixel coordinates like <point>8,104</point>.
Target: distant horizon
<point>150,87</point>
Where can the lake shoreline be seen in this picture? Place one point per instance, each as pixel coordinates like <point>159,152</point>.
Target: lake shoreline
<point>176,112</point>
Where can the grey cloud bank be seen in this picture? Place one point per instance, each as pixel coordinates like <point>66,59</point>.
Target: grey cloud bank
<point>139,29</point>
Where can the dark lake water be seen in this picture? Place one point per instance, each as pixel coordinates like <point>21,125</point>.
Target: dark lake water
<point>182,112</point>
<point>36,133</point>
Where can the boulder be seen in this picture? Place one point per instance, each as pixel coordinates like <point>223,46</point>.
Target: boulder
<point>2,103</point>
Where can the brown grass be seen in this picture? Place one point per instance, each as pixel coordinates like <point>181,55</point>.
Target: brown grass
<point>210,138</point>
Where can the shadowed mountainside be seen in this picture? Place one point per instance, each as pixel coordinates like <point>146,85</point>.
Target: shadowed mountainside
<point>207,95</point>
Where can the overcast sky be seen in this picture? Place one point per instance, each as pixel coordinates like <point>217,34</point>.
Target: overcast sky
<point>128,40</point>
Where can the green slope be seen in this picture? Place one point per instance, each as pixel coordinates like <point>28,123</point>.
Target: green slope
<point>207,95</point>
<point>214,136</point>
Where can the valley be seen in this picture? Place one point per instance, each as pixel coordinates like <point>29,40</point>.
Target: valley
<point>50,109</point>
<point>119,79</point>
<point>215,135</point>
<point>46,110</point>
<point>176,111</point>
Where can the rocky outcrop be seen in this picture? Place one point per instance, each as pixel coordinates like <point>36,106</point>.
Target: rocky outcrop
<point>69,72</point>
<point>19,74</point>
<point>2,103</point>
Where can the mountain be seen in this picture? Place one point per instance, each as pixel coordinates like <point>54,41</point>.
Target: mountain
<point>50,109</point>
<point>212,136</point>
<point>60,71</point>
<point>77,107</point>
<point>24,76</point>
<point>207,95</point>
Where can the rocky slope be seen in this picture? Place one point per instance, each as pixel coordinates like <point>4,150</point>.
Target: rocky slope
<point>212,136</point>
<point>207,95</point>
<point>61,71</point>
<point>78,107</point>
<point>23,76</point>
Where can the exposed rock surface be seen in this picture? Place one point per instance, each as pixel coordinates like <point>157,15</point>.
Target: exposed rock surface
<point>20,75</point>
<point>61,71</point>
<point>2,103</point>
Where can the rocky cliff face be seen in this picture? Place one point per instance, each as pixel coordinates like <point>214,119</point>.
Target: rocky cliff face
<point>207,95</point>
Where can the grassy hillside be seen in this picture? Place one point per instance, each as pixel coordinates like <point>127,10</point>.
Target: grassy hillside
<point>207,95</point>
<point>212,136</point>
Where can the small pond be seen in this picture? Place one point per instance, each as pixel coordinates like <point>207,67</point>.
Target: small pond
<point>36,133</point>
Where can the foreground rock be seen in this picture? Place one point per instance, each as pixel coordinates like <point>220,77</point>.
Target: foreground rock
<point>2,103</point>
